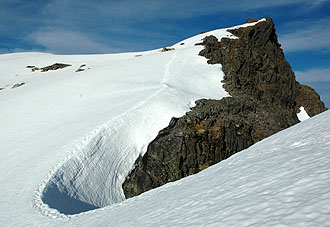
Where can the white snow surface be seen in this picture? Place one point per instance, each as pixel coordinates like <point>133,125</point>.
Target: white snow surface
<point>302,115</point>
<point>69,139</point>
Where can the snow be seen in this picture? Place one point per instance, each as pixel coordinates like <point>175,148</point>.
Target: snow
<point>302,115</point>
<point>281,181</point>
<point>69,139</point>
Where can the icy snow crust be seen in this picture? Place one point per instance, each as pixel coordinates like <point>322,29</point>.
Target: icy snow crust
<point>282,180</point>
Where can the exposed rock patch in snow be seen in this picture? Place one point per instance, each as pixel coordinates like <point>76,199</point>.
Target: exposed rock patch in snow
<point>81,68</point>
<point>17,85</point>
<point>54,66</point>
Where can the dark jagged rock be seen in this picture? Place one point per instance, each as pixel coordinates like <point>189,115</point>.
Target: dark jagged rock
<point>47,68</point>
<point>254,65</point>
<point>310,100</point>
<point>54,67</point>
<point>213,131</point>
<point>265,97</point>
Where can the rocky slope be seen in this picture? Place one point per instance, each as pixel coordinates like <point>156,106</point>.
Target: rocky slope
<point>265,99</point>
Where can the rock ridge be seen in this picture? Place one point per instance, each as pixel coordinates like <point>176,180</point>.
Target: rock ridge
<point>265,99</point>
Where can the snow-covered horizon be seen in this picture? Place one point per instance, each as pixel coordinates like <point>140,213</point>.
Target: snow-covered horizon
<point>69,139</point>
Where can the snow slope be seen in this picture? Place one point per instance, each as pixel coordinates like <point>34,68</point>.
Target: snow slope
<point>68,140</point>
<point>111,111</point>
<point>283,180</point>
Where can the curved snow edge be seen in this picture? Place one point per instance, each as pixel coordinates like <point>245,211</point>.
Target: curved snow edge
<point>78,150</point>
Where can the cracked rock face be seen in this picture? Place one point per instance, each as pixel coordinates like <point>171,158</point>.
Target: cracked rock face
<point>265,99</point>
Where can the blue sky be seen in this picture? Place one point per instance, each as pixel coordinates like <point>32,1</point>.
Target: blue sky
<point>87,26</point>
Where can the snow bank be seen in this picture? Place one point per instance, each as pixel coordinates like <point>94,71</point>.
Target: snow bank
<point>302,115</point>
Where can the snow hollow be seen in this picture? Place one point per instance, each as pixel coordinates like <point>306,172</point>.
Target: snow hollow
<point>165,83</point>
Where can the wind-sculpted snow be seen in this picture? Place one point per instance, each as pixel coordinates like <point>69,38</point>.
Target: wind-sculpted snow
<point>93,176</point>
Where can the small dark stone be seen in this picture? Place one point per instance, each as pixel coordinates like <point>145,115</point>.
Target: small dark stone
<point>17,85</point>
<point>80,70</point>
<point>32,67</point>
<point>166,49</point>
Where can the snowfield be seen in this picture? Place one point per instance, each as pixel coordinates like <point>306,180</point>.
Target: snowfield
<point>68,139</point>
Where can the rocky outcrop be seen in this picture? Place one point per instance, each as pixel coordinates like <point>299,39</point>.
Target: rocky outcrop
<point>213,131</point>
<point>55,66</point>
<point>254,65</point>
<point>265,97</point>
<point>310,100</point>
